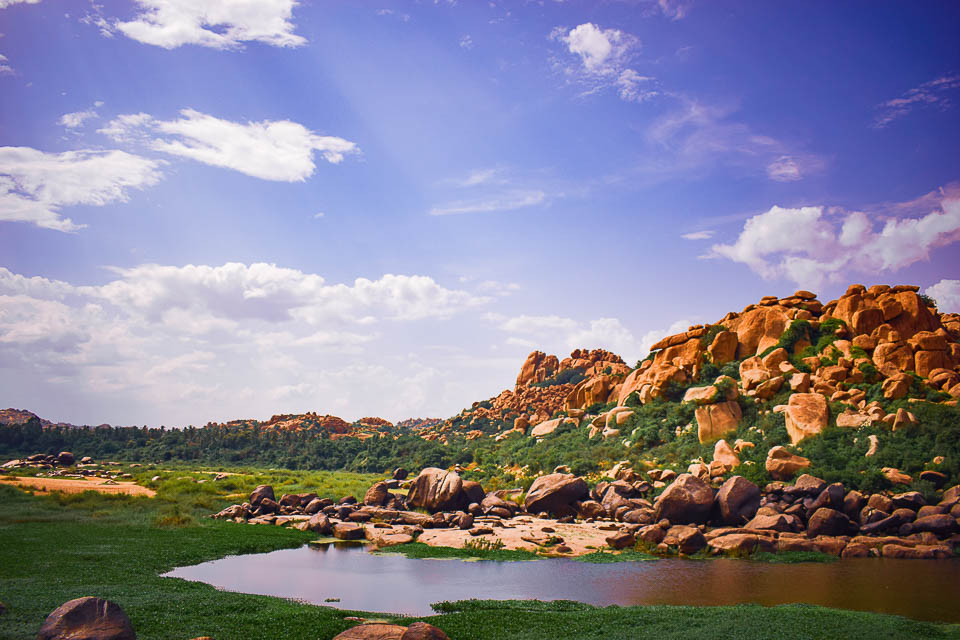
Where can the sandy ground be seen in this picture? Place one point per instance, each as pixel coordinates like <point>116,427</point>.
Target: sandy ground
<point>582,537</point>
<point>77,485</point>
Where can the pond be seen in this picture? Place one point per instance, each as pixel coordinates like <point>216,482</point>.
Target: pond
<point>357,579</point>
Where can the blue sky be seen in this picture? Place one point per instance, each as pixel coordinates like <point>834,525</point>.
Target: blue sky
<point>213,209</point>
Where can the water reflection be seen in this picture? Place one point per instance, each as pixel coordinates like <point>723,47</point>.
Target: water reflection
<point>391,583</point>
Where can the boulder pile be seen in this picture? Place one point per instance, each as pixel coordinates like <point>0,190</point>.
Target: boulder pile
<point>688,516</point>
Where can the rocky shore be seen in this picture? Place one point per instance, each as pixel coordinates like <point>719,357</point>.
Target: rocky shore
<point>560,515</point>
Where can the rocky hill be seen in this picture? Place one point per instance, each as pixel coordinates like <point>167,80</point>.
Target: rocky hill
<point>819,353</point>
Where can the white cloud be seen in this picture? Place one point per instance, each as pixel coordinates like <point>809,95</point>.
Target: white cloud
<point>6,3</point>
<point>77,118</point>
<point>272,150</point>
<point>810,246</point>
<point>675,9</point>
<point>696,135</point>
<point>405,17</point>
<point>599,59</point>
<point>466,42</point>
<point>651,338</point>
<point>513,199</point>
<point>5,69</point>
<point>219,24</point>
<point>193,340</point>
<point>784,169</point>
<point>929,93</point>
<point>947,295</point>
<point>697,235</point>
<point>35,186</point>
<point>318,215</point>
<point>556,333</point>
<point>498,288</point>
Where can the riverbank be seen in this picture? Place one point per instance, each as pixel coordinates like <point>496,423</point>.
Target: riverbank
<point>54,549</point>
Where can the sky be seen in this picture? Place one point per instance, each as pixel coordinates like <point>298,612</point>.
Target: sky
<point>220,209</point>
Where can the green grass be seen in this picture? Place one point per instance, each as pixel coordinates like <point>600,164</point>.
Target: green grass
<point>502,620</point>
<point>56,548</point>
<point>606,557</point>
<point>420,550</point>
<point>793,557</point>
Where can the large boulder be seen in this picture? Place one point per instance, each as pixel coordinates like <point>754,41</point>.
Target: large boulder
<point>377,495</point>
<point>261,492</point>
<point>65,459</point>
<point>87,618</point>
<point>376,631</point>
<point>783,465</point>
<point>687,500</point>
<point>436,490</point>
<point>807,414</point>
<point>717,420</point>
<point>473,491</point>
<point>423,631</point>
<point>738,501</point>
<point>556,493</point>
<point>828,522</point>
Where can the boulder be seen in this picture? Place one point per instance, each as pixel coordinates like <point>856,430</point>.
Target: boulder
<point>807,414</point>
<point>400,473</point>
<point>261,492</point>
<point>348,531</point>
<point>319,523</point>
<point>726,456</point>
<point>87,618</point>
<point>783,465</point>
<point>437,490</point>
<point>473,491</point>
<point>621,540</point>
<point>717,420</point>
<point>774,522</point>
<point>701,395</point>
<point>828,522</point>
<point>377,631</point>
<point>65,459</point>
<point>377,495</point>
<point>556,493</point>
<point>723,349</point>
<point>687,500</point>
<point>423,631</point>
<point>738,500</point>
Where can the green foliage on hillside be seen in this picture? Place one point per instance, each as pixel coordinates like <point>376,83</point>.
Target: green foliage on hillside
<point>567,376</point>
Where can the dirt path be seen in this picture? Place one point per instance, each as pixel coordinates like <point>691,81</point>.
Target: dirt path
<point>77,485</point>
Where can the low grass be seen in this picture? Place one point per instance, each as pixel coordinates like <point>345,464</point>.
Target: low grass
<point>607,557</point>
<point>55,548</point>
<point>792,557</point>
<point>420,550</point>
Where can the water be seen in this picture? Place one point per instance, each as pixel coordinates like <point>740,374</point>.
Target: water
<point>921,589</point>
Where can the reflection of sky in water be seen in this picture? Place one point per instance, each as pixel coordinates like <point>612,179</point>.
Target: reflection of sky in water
<point>393,583</point>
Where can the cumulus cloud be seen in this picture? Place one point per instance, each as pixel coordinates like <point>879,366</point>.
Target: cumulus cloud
<point>219,24</point>
<point>934,93</point>
<point>811,245</point>
<point>557,333</point>
<point>35,186</point>
<point>506,201</point>
<point>159,333</point>
<point>598,59</point>
<point>271,150</point>
<point>947,294</point>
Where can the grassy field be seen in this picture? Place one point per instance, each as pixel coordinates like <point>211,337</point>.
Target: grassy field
<point>55,548</point>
